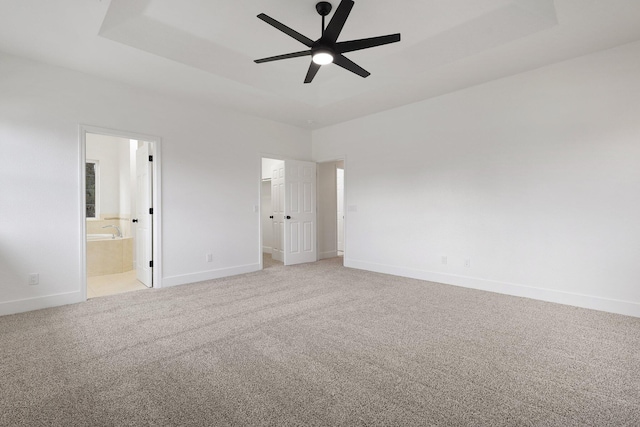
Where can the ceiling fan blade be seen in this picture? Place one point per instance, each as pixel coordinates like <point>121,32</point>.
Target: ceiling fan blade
<point>290,32</point>
<point>348,64</point>
<point>340,16</point>
<point>350,46</point>
<point>285,56</point>
<point>313,70</point>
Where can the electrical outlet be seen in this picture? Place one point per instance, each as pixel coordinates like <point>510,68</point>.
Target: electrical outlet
<point>209,257</point>
<point>467,262</point>
<point>34,278</point>
<point>444,259</point>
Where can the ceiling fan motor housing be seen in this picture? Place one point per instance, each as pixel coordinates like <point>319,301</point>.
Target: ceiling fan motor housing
<point>323,8</point>
<point>321,46</point>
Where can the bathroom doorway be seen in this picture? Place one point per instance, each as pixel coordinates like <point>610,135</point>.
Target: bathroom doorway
<point>119,196</point>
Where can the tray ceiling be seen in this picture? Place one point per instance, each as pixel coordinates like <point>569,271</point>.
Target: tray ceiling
<point>204,49</point>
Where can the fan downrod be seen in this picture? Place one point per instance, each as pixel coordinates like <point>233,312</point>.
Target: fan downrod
<point>323,8</point>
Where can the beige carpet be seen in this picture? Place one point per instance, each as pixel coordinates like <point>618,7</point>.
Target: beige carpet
<point>319,344</point>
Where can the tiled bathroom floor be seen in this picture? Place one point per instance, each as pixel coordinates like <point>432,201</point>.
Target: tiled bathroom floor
<point>110,284</point>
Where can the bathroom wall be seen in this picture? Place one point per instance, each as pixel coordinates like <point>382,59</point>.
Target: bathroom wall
<point>108,151</point>
<point>114,157</point>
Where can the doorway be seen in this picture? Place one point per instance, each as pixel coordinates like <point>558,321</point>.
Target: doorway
<point>272,232</point>
<point>119,196</point>
<point>288,211</point>
<point>331,215</point>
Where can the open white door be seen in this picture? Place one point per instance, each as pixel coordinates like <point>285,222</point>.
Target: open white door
<point>277,210</point>
<point>144,252</point>
<point>299,212</point>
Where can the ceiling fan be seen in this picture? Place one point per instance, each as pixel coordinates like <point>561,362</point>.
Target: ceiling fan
<point>327,49</point>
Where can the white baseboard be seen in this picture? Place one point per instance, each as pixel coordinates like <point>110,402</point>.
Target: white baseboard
<point>37,303</point>
<point>208,275</point>
<point>627,308</point>
<point>328,254</point>
<point>267,249</point>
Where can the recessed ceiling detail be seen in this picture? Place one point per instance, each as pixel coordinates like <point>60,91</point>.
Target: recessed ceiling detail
<point>149,26</point>
<point>203,50</point>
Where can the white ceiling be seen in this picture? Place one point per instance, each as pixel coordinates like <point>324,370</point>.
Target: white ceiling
<point>203,50</point>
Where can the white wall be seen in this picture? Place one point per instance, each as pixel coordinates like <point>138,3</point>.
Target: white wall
<point>535,178</point>
<point>113,156</point>
<point>327,208</point>
<point>211,170</point>
<point>125,178</point>
<point>133,190</point>
<point>267,166</point>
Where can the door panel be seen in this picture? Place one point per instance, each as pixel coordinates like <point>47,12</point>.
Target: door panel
<point>294,197</point>
<point>300,212</point>
<point>307,193</point>
<point>308,236</point>
<point>294,238</point>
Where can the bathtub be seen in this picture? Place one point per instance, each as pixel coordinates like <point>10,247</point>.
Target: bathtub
<point>108,255</point>
<point>101,237</point>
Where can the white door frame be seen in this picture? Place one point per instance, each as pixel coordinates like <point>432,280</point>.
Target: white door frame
<point>157,193</point>
<point>343,159</point>
<point>341,215</point>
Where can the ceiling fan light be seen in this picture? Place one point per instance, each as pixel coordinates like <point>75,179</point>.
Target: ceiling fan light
<point>322,58</point>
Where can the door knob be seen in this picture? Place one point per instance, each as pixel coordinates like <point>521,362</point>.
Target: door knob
<point>134,220</point>
<point>288,217</point>
<point>271,217</point>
